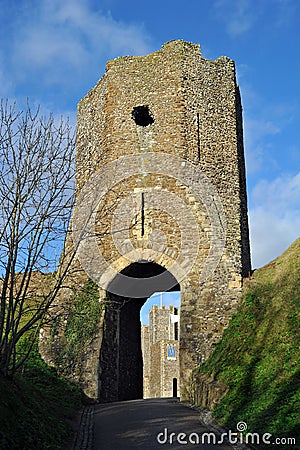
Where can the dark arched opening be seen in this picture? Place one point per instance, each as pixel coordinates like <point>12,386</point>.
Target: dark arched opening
<point>121,362</point>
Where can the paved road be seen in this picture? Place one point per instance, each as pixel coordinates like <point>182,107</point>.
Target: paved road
<point>142,423</point>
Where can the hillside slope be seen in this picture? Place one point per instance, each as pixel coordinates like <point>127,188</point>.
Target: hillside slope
<point>37,408</point>
<point>258,358</point>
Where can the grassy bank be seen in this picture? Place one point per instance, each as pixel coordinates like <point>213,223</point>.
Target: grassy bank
<point>37,408</point>
<point>259,357</point>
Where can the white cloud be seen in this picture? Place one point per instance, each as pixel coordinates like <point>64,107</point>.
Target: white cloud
<point>69,37</point>
<point>287,12</point>
<point>284,190</point>
<point>266,125</point>
<point>264,120</point>
<point>256,132</point>
<point>6,84</point>
<point>254,158</point>
<point>274,217</point>
<point>238,15</point>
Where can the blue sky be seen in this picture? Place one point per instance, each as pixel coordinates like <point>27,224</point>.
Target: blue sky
<point>54,51</point>
<point>161,299</point>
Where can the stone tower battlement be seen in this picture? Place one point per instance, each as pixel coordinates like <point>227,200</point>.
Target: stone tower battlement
<point>160,153</point>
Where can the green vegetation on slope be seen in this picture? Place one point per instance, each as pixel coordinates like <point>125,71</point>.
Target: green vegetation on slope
<point>36,408</point>
<point>37,405</point>
<point>258,357</point>
<point>80,329</point>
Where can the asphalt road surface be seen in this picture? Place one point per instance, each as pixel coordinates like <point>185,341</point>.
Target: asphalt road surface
<point>149,424</point>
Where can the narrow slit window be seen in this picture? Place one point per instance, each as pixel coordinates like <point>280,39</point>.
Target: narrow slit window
<point>143,215</point>
<point>198,136</point>
<point>176,334</point>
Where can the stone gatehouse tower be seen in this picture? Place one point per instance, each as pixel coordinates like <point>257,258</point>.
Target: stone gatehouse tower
<point>160,349</point>
<point>160,153</point>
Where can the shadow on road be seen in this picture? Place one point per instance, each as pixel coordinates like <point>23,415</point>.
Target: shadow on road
<point>151,424</point>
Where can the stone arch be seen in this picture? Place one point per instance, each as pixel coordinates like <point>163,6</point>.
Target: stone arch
<point>117,281</point>
<point>121,363</point>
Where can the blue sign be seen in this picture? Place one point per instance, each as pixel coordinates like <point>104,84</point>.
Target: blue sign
<point>171,351</point>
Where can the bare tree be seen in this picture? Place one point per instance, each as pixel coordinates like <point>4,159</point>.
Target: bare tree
<point>36,198</point>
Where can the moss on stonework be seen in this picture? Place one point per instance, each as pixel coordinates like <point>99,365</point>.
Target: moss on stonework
<point>81,327</point>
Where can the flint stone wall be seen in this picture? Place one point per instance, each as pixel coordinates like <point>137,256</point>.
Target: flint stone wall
<point>197,115</point>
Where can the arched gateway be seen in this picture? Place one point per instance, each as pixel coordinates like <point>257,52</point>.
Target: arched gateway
<point>161,204</point>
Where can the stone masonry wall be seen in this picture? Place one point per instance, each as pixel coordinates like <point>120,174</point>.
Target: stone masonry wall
<point>163,369</point>
<point>195,108</point>
<point>160,368</point>
<point>146,360</point>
